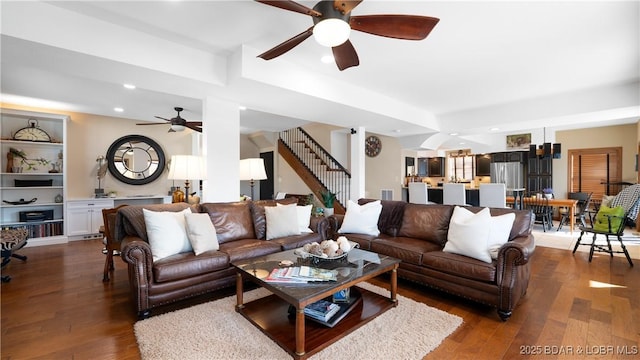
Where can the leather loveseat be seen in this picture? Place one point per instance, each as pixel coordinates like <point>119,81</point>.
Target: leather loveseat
<point>417,234</point>
<point>241,230</point>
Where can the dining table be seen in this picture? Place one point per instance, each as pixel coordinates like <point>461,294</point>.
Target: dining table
<point>554,202</point>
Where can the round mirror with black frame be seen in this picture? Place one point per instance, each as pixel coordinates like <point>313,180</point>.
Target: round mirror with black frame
<point>136,160</point>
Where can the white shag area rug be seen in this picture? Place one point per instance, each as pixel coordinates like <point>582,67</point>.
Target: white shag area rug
<point>215,331</point>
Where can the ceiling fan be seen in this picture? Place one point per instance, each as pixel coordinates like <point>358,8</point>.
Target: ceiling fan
<point>333,22</point>
<point>178,123</point>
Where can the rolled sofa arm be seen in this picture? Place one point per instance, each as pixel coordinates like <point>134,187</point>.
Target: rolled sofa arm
<point>320,225</point>
<point>517,251</point>
<point>512,261</point>
<point>137,254</point>
<point>334,223</point>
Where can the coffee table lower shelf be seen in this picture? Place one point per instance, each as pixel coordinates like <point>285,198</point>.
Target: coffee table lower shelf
<point>269,314</point>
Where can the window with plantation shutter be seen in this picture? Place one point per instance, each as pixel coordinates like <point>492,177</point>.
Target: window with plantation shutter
<point>590,170</point>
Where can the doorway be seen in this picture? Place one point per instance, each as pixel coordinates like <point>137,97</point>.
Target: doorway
<point>266,186</point>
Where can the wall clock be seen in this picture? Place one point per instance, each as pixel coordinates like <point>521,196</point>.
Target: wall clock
<point>372,146</point>
<point>32,133</point>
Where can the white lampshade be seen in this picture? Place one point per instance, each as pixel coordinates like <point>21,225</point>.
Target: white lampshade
<point>178,127</point>
<point>331,32</point>
<point>187,167</point>
<point>252,169</point>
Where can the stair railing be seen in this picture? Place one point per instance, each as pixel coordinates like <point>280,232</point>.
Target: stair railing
<point>326,169</point>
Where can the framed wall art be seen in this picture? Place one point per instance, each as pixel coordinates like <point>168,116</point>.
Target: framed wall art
<point>519,141</point>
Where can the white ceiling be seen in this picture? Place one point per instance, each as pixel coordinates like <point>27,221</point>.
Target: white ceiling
<point>518,66</point>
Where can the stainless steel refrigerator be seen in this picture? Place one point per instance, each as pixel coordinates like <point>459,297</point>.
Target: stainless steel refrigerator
<point>509,173</point>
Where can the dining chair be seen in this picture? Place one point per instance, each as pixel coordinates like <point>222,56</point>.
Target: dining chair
<point>582,207</point>
<point>539,205</point>
<point>418,193</point>
<point>608,222</point>
<point>111,245</point>
<point>493,195</point>
<point>454,194</point>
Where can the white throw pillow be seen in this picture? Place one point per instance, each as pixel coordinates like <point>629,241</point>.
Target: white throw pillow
<point>361,219</point>
<point>469,233</point>
<point>304,218</point>
<point>281,221</point>
<point>606,200</point>
<point>166,232</point>
<point>201,232</point>
<point>499,235</point>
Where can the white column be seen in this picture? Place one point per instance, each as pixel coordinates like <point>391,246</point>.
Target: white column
<point>221,146</point>
<point>357,164</point>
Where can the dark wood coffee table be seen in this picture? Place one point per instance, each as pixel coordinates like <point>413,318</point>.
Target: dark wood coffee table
<point>302,337</point>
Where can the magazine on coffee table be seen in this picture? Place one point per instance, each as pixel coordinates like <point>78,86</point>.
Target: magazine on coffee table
<point>301,274</point>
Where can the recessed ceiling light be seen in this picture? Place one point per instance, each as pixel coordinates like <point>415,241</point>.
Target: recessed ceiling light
<point>118,109</point>
<point>462,143</point>
<point>327,59</point>
<point>242,108</point>
<point>494,129</point>
<point>397,130</point>
<point>453,134</point>
<point>129,86</point>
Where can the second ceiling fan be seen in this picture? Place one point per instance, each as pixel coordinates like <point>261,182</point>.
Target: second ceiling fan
<point>178,123</point>
<point>334,17</point>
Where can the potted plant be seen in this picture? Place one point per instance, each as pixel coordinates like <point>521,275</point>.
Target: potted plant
<point>548,192</point>
<point>328,198</point>
<point>18,154</point>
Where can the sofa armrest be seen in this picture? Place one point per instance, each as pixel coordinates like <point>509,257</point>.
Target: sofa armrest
<point>515,253</point>
<point>320,225</point>
<point>137,254</point>
<point>335,221</point>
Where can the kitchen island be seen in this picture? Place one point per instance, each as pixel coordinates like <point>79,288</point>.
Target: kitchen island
<point>472,196</point>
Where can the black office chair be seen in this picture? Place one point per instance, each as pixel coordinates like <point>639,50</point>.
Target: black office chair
<point>582,206</point>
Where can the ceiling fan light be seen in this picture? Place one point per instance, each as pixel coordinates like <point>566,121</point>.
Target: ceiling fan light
<point>331,32</point>
<point>178,127</point>
<point>327,59</point>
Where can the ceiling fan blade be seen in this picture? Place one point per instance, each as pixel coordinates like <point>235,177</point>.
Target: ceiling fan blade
<point>286,45</point>
<point>291,6</point>
<point>193,126</point>
<point>161,118</point>
<point>407,27</point>
<point>345,6</point>
<point>196,123</point>
<point>345,55</point>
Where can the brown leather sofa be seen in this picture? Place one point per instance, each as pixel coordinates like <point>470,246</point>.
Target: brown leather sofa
<point>241,230</point>
<point>416,234</point>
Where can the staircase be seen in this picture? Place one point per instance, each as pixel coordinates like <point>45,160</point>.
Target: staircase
<point>315,166</point>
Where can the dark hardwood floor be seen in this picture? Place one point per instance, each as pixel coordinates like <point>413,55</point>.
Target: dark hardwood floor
<point>57,307</point>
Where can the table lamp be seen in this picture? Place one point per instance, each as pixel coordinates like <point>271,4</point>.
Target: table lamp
<point>252,169</point>
<point>187,167</point>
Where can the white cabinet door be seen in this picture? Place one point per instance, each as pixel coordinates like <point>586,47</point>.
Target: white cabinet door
<point>84,217</point>
<point>78,221</point>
